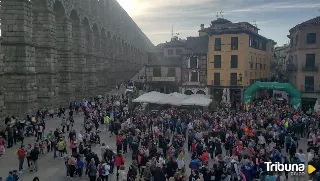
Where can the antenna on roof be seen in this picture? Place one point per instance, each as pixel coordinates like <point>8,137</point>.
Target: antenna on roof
<point>172,31</point>
<point>221,13</point>
<point>255,24</point>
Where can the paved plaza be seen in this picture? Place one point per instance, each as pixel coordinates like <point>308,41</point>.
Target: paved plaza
<point>54,169</point>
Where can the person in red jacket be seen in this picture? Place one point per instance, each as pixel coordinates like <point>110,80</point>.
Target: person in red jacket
<point>21,155</point>
<point>205,157</point>
<point>119,160</point>
<point>119,141</point>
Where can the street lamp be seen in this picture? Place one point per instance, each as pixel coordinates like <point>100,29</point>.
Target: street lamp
<point>240,84</point>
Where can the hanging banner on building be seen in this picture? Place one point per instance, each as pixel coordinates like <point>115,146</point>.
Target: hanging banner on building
<point>163,79</point>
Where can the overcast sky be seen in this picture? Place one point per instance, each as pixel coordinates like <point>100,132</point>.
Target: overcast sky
<point>273,17</point>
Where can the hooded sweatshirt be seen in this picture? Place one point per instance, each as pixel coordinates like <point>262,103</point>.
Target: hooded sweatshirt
<point>194,165</point>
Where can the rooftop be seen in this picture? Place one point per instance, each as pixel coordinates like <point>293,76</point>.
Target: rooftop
<point>311,22</point>
<point>174,43</point>
<point>197,45</point>
<point>221,21</point>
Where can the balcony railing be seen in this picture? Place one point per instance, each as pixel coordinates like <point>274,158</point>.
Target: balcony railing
<point>305,88</point>
<point>217,83</point>
<point>310,69</point>
<point>234,83</point>
<point>292,68</point>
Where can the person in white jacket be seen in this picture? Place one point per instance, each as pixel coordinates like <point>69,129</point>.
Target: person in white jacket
<point>122,174</point>
<point>105,171</point>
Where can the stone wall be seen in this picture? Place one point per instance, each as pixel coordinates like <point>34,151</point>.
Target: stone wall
<point>55,51</point>
<point>2,108</point>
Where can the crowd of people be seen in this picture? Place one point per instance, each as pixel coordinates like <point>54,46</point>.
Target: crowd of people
<point>227,144</point>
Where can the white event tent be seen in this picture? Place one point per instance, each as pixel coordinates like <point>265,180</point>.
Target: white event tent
<point>150,97</point>
<point>197,100</point>
<point>175,99</point>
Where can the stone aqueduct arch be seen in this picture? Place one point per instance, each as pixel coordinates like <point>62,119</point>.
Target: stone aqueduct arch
<point>60,50</point>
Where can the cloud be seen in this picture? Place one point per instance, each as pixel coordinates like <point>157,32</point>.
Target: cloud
<point>155,17</point>
<point>271,7</point>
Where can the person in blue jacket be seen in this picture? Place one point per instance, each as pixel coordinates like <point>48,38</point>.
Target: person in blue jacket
<point>249,171</point>
<point>194,165</point>
<point>10,176</point>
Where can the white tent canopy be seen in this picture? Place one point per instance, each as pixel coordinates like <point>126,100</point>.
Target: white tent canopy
<point>173,99</point>
<point>196,100</point>
<point>150,97</point>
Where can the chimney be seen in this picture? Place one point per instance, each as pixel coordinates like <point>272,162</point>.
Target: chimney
<point>202,26</point>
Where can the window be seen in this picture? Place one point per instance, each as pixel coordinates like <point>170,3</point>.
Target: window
<point>234,43</point>
<point>171,72</point>
<point>260,66</point>
<point>251,65</point>
<point>193,62</point>
<point>264,46</point>
<point>256,66</point>
<point>250,42</point>
<point>156,71</point>
<point>311,38</point>
<point>264,66</point>
<point>309,83</point>
<point>310,60</point>
<point>217,61</point>
<point>233,79</point>
<point>170,51</point>
<point>178,51</point>
<point>194,77</point>
<point>216,78</point>
<point>217,44</point>
<point>234,61</point>
<point>297,38</point>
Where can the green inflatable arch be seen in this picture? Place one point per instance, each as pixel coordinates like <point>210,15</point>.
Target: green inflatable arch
<point>294,93</point>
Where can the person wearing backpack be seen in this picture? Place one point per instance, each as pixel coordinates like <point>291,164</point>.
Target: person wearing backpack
<point>104,169</point>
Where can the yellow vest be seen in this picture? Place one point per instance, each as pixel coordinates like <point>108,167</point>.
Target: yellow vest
<point>106,120</point>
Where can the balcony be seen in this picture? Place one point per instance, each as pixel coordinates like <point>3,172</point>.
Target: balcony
<point>292,68</point>
<point>305,88</point>
<point>217,83</point>
<point>309,69</point>
<point>234,83</point>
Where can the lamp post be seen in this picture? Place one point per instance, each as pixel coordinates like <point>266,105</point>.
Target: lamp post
<point>241,87</point>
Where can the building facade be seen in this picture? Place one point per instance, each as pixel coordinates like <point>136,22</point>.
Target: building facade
<point>174,47</point>
<point>237,57</point>
<point>194,66</point>
<point>304,59</point>
<point>165,76</point>
<point>279,61</point>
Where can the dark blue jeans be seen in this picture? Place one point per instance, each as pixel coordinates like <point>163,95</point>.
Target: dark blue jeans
<point>21,161</point>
